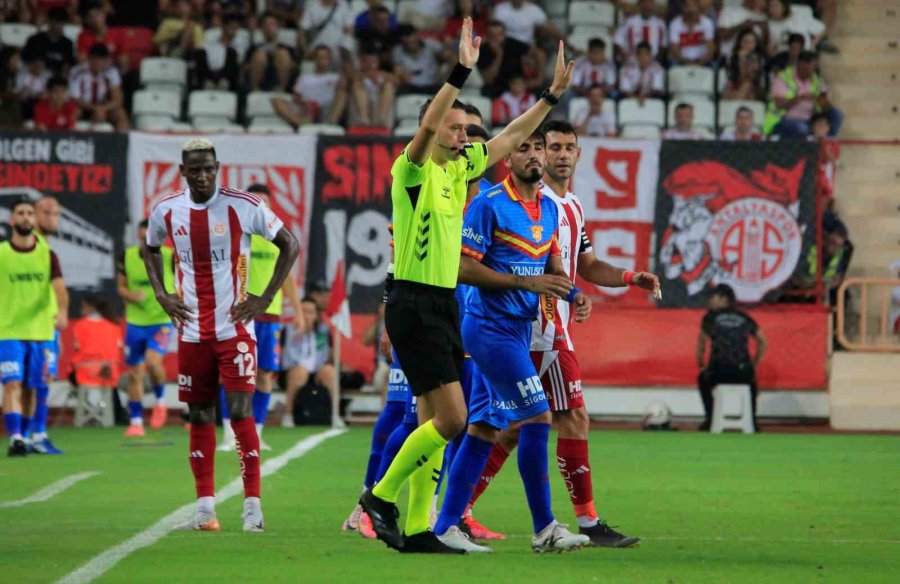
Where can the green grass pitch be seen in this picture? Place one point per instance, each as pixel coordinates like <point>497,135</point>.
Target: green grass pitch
<point>766,508</point>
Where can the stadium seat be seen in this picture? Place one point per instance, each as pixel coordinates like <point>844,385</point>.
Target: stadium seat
<point>16,35</point>
<point>259,104</point>
<point>212,104</point>
<point>640,131</point>
<point>592,13</point>
<point>321,129</point>
<point>704,109</point>
<point>161,73</point>
<point>357,6</point>
<point>87,126</point>
<point>580,35</point>
<point>732,409</point>
<point>269,125</point>
<point>578,106</point>
<point>554,8</point>
<point>405,9</point>
<point>802,12</point>
<point>697,80</point>
<point>653,112</point>
<point>71,31</point>
<point>729,107</point>
<point>484,106</point>
<point>162,103</point>
<point>407,128</point>
<point>621,16</point>
<point>216,124</point>
<point>153,123</point>
<point>722,80</point>
<point>407,106</point>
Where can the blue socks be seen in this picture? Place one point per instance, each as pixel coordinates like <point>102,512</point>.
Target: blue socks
<point>41,411</point>
<point>464,474</point>
<point>223,404</point>
<point>449,456</point>
<point>159,390</point>
<point>533,439</point>
<point>13,423</point>
<point>260,405</point>
<point>392,446</point>
<point>389,419</point>
<point>135,410</point>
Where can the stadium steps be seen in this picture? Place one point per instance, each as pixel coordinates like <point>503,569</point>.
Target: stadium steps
<point>865,391</point>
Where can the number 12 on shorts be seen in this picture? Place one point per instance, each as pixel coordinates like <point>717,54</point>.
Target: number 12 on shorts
<point>246,364</point>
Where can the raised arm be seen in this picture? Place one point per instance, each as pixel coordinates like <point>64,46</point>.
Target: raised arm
<point>520,128</point>
<point>420,148</point>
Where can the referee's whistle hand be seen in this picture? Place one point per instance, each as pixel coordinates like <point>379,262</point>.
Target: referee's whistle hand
<point>551,285</point>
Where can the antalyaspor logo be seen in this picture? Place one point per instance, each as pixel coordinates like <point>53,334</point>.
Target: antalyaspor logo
<point>730,228</point>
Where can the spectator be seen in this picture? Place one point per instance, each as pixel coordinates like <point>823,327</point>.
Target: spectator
<point>512,103</point>
<point>97,344</point>
<point>643,78</point>
<point>180,35</point>
<point>417,62</point>
<point>643,27</point>
<point>430,15</point>
<point>798,93</point>
<point>692,36</point>
<point>523,20</point>
<point>684,125</point>
<point>97,87</point>
<point>270,64</point>
<point>218,63</point>
<point>52,46</point>
<point>820,128</point>
<point>14,11</point>
<point>307,358</point>
<point>96,30</point>
<point>31,83</point>
<point>597,121</point>
<point>465,9</point>
<point>473,116</point>
<point>57,111</point>
<point>381,35</point>
<point>374,92</point>
<point>733,20</point>
<point>288,11</point>
<point>593,69</point>
<point>746,82</point>
<point>783,22</point>
<point>10,107</point>
<point>727,331</point>
<point>743,129</point>
<point>748,44</point>
<point>365,20</point>
<point>780,61</point>
<point>319,95</point>
<point>837,251</point>
<point>42,10</point>
<point>501,59</point>
<point>329,23</point>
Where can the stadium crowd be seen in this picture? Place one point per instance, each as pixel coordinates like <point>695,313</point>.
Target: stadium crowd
<point>740,70</point>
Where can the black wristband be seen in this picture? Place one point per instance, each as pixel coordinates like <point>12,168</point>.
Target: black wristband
<point>388,286</point>
<point>458,76</point>
<point>551,99</point>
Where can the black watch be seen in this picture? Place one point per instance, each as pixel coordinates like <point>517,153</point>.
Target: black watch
<point>551,99</point>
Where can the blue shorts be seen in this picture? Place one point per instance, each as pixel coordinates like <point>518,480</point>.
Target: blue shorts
<point>268,349</point>
<point>23,361</point>
<point>508,389</point>
<point>398,386</point>
<point>140,339</point>
<point>412,410</point>
<point>51,355</point>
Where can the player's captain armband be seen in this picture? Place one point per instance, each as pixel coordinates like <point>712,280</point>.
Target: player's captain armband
<point>628,278</point>
<point>572,293</point>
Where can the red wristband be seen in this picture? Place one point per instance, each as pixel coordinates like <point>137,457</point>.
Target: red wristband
<point>628,278</point>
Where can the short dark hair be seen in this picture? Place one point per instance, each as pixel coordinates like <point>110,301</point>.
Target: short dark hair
<point>57,82</point>
<point>743,109</point>
<point>232,17</point>
<point>818,118</point>
<point>21,201</point>
<point>98,50</point>
<point>596,86</point>
<point>259,188</point>
<point>406,30</point>
<point>644,45</point>
<point>58,14</point>
<point>807,57</point>
<point>596,43</point>
<point>144,224</point>
<point>726,291</point>
<point>472,110</point>
<point>478,132</point>
<point>267,14</point>
<point>455,105</point>
<point>561,126</point>
<point>796,37</point>
<point>537,135</point>
<point>381,9</point>
<point>683,105</point>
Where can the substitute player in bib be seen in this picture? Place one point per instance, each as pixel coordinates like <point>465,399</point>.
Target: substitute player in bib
<point>552,347</point>
<point>263,256</point>
<point>509,240</point>
<point>29,277</point>
<point>422,318</point>
<point>148,331</point>
<point>213,311</point>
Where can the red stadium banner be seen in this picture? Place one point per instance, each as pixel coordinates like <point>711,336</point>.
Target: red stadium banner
<point>284,163</point>
<point>616,182</point>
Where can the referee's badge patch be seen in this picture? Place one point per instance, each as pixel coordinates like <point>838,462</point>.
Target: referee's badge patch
<point>537,232</point>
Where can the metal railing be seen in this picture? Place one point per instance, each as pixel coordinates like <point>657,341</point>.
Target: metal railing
<point>855,330</point>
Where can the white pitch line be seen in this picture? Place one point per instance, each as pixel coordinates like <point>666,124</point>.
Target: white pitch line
<point>101,563</point>
<point>50,491</point>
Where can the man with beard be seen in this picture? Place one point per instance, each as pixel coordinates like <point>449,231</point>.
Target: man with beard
<point>29,277</point>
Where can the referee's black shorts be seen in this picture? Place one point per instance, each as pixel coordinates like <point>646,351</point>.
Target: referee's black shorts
<point>422,322</point>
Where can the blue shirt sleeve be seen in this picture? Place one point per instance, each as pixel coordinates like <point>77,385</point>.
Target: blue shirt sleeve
<point>478,228</point>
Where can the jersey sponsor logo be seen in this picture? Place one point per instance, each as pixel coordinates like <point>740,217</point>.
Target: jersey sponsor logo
<point>242,277</point>
<point>537,233</point>
<point>469,233</point>
<point>548,307</point>
<point>397,380</point>
<point>26,277</point>
<point>197,454</point>
<point>219,228</point>
<point>185,382</point>
<point>531,386</point>
<point>189,256</point>
<point>9,367</point>
<point>527,269</point>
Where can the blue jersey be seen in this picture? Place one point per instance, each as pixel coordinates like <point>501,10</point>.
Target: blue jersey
<point>462,290</point>
<point>508,237</point>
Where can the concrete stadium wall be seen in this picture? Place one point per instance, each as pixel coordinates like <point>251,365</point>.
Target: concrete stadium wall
<point>865,391</point>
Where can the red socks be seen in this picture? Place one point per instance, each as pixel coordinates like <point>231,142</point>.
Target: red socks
<point>248,453</point>
<point>575,468</point>
<point>494,464</point>
<point>203,458</point>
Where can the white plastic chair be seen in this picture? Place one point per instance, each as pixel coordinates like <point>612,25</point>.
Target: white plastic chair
<point>268,125</point>
<point>592,13</point>
<point>162,103</point>
<point>653,112</point>
<point>729,107</point>
<point>693,80</point>
<point>405,10</point>
<point>704,109</point>
<point>259,103</point>
<point>581,35</point>
<point>215,125</point>
<point>578,106</point>
<point>16,35</point>
<point>212,104</point>
<point>321,130</point>
<point>640,131</point>
<point>163,72</point>
<point>732,408</point>
<point>406,107</point>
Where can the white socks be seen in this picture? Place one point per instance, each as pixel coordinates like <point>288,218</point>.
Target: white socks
<point>207,505</point>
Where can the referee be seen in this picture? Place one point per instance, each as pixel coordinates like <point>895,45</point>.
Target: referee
<point>422,318</point>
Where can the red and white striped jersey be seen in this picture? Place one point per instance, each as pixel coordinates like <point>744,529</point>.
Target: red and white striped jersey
<point>508,107</point>
<point>638,29</point>
<point>550,331</point>
<point>212,244</point>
